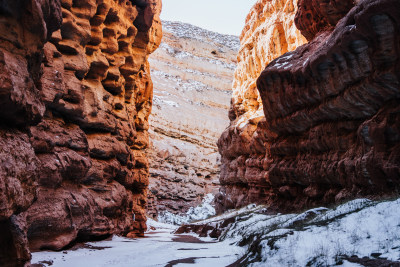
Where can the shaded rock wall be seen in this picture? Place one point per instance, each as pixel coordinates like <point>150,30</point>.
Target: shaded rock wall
<point>192,72</point>
<point>332,108</point>
<point>268,33</point>
<point>75,95</point>
<point>331,126</point>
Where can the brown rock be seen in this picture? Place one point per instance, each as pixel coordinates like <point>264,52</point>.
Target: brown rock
<point>18,170</point>
<point>24,30</point>
<point>314,16</point>
<point>330,131</point>
<point>336,126</point>
<point>75,146</point>
<point>269,32</point>
<point>20,103</point>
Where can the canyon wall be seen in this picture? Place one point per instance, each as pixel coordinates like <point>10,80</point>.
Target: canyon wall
<point>269,32</point>
<point>335,134</point>
<point>331,128</point>
<point>192,72</point>
<point>75,96</point>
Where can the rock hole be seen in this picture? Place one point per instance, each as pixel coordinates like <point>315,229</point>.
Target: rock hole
<point>112,17</point>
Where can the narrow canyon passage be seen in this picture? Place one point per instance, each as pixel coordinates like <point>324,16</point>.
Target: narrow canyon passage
<point>128,140</point>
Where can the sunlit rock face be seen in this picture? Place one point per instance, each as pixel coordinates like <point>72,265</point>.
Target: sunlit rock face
<point>331,128</point>
<point>192,73</point>
<point>269,32</point>
<point>75,96</point>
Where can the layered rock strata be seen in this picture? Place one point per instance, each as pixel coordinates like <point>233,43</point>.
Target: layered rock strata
<point>269,32</point>
<point>75,95</point>
<point>331,128</point>
<point>192,73</point>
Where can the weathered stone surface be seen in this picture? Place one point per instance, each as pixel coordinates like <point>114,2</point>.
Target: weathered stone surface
<point>76,82</point>
<point>315,16</point>
<point>192,73</point>
<point>269,32</point>
<point>335,133</point>
<point>331,126</point>
<point>23,30</point>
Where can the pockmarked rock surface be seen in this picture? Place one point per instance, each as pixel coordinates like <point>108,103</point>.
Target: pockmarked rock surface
<point>75,96</point>
<point>192,72</point>
<point>269,32</point>
<point>331,129</point>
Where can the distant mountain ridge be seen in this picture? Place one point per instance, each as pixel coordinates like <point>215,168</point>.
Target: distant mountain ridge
<point>186,30</point>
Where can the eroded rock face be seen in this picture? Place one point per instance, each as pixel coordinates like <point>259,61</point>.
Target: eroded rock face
<point>331,126</point>
<point>75,96</point>
<point>192,73</point>
<point>332,108</point>
<point>24,30</point>
<point>269,32</point>
<point>314,16</point>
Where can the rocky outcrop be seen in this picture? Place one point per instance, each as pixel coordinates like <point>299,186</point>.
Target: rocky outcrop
<point>331,128</point>
<point>24,30</point>
<point>335,133</point>
<point>316,16</point>
<point>75,96</point>
<point>192,73</point>
<point>269,32</point>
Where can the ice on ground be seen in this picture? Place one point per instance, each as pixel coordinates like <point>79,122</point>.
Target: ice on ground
<point>201,212</point>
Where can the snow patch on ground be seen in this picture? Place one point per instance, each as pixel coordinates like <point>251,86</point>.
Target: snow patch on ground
<point>316,237</point>
<point>158,248</point>
<point>201,212</point>
<point>152,224</point>
<point>321,237</point>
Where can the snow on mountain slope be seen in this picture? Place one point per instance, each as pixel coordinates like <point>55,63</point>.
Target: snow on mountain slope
<point>184,30</point>
<point>192,72</point>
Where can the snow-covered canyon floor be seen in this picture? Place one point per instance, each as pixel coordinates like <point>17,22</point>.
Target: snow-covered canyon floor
<point>358,233</point>
<point>159,248</point>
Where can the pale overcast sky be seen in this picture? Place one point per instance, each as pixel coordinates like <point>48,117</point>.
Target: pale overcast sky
<point>223,16</point>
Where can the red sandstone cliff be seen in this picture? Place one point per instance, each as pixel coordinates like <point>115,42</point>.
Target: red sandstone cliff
<point>331,128</point>
<point>269,32</point>
<point>75,96</point>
